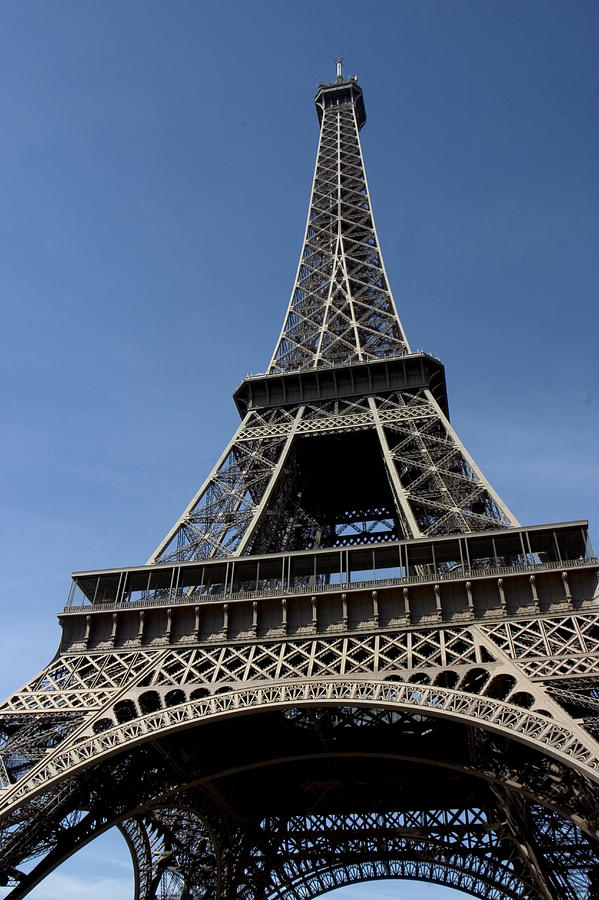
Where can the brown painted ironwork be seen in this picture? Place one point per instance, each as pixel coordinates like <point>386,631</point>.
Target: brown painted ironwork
<point>346,660</point>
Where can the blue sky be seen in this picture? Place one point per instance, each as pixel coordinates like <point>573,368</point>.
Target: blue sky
<point>154,175</point>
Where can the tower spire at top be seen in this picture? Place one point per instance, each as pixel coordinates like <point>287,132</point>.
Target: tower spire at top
<point>341,308</point>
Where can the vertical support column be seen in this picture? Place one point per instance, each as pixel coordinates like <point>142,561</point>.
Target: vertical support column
<point>535,596</point>
<point>406,603</point>
<point>502,601</point>
<point>88,628</point>
<point>438,607</point>
<point>344,613</point>
<point>375,609</point>
<point>114,628</point>
<point>469,598</point>
<point>567,591</point>
<point>226,619</point>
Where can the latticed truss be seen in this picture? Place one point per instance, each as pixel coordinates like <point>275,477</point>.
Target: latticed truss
<point>265,493</point>
<point>174,854</point>
<point>342,663</point>
<point>559,651</point>
<point>506,683</point>
<point>222,513</point>
<point>341,308</point>
<point>282,484</point>
<point>465,848</point>
<point>223,838</point>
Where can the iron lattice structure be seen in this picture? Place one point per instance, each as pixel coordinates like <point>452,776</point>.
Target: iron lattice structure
<point>346,660</point>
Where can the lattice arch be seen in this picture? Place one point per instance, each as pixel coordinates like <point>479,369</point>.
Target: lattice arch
<point>571,745</point>
<point>473,882</point>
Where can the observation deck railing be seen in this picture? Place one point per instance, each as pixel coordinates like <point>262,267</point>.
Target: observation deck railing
<point>492,554</point>
<point>298,590</point>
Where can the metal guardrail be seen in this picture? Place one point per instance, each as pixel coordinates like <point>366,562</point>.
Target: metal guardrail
<point>348,361</point>
<point>343,586</point>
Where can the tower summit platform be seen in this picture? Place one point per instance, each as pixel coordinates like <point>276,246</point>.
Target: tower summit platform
<point>342,90</point>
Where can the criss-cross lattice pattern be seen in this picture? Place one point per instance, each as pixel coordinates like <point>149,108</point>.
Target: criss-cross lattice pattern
<point>253,501</point>
<point>221,513</point>
<point>172,852</point>
<point>464,848</point>
<point>341,308</point>
<point>550,649</point>
<point>174,685</point>
<point>482,674</point>
<point>441,485</point>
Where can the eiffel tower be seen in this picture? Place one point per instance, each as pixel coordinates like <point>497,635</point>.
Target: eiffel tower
<point>346,660</point>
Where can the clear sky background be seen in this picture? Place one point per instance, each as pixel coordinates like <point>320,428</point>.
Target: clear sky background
<point>155,170</point>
